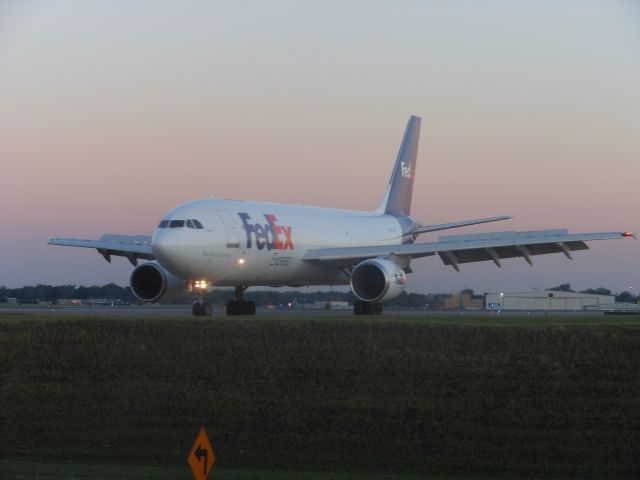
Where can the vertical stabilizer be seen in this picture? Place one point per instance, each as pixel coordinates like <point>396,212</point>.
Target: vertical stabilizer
<point>397,199</point>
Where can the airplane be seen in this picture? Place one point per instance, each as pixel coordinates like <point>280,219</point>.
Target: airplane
<point>241,244</point>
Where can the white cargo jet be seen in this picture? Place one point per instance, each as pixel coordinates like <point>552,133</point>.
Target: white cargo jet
<point>219,242</point>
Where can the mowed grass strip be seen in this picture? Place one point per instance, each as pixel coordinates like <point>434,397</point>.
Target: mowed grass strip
<point>390,395</point>
<point>26,470</point>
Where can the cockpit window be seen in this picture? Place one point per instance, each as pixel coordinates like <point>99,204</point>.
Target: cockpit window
<point>193,223</point>
<point>190,223</point>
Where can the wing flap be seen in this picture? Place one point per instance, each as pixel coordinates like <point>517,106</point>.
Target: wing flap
<point>456,249</point>
<point>510,251</point>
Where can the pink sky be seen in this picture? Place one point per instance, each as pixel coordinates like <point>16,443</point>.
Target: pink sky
<point>113,113</point>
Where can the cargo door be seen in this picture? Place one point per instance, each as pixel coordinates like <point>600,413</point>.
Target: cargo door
<point>230,229</point>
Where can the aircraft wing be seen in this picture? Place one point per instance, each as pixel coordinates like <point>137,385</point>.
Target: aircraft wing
<point>133,247</point>
<point>457,249</point>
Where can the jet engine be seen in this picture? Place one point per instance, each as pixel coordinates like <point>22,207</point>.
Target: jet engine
<point>151,283</point>
<point>377,280</point>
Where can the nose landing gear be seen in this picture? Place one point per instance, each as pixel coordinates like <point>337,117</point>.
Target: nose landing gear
<point>200,308</point>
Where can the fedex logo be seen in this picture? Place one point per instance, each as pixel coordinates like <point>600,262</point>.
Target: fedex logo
<point>270,235</point>
<point>405,169</point>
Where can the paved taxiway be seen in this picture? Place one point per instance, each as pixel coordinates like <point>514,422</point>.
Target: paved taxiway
<point>161,310</point>
<point>185,310</point>
<point>179,310</point>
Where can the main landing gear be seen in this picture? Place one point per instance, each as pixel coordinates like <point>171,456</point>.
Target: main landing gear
<point>239,306</point>
<point>367,308</point>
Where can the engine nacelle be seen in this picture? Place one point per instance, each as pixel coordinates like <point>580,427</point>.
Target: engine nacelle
<point>377,280</point>
<point>152,283</point>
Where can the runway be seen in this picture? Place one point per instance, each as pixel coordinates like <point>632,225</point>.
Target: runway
<point>185,310</point>
<point>161,311</point>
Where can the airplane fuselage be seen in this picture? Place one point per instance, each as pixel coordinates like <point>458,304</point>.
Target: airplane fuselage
<point>258,243</point>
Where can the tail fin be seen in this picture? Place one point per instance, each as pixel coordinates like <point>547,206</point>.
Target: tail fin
<point>397,199</point>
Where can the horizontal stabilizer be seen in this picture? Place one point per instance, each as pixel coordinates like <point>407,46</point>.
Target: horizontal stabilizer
<point>463,223</point>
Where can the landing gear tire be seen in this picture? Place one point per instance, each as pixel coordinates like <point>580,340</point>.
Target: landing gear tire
<point>367,308</point>
<point>239,306</point>
<point>242,307</point>
<point>202,309</point>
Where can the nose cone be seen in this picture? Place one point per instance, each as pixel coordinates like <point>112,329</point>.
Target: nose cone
<point>171,251</point>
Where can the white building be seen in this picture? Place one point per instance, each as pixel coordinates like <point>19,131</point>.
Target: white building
<point>544,300</point>
<point>331,305</point>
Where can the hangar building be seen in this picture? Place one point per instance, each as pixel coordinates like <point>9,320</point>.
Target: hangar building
<point>544,300</point>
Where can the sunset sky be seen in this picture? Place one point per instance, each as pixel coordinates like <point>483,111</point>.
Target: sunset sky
<point>111,113</point>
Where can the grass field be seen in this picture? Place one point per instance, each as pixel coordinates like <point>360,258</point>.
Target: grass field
<point>27,470</point>
<point>398,397</point>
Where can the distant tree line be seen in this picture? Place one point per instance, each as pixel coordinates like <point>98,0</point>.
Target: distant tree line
<point>620,297</point>
<point>219,296</point>
<point>51,294</point>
